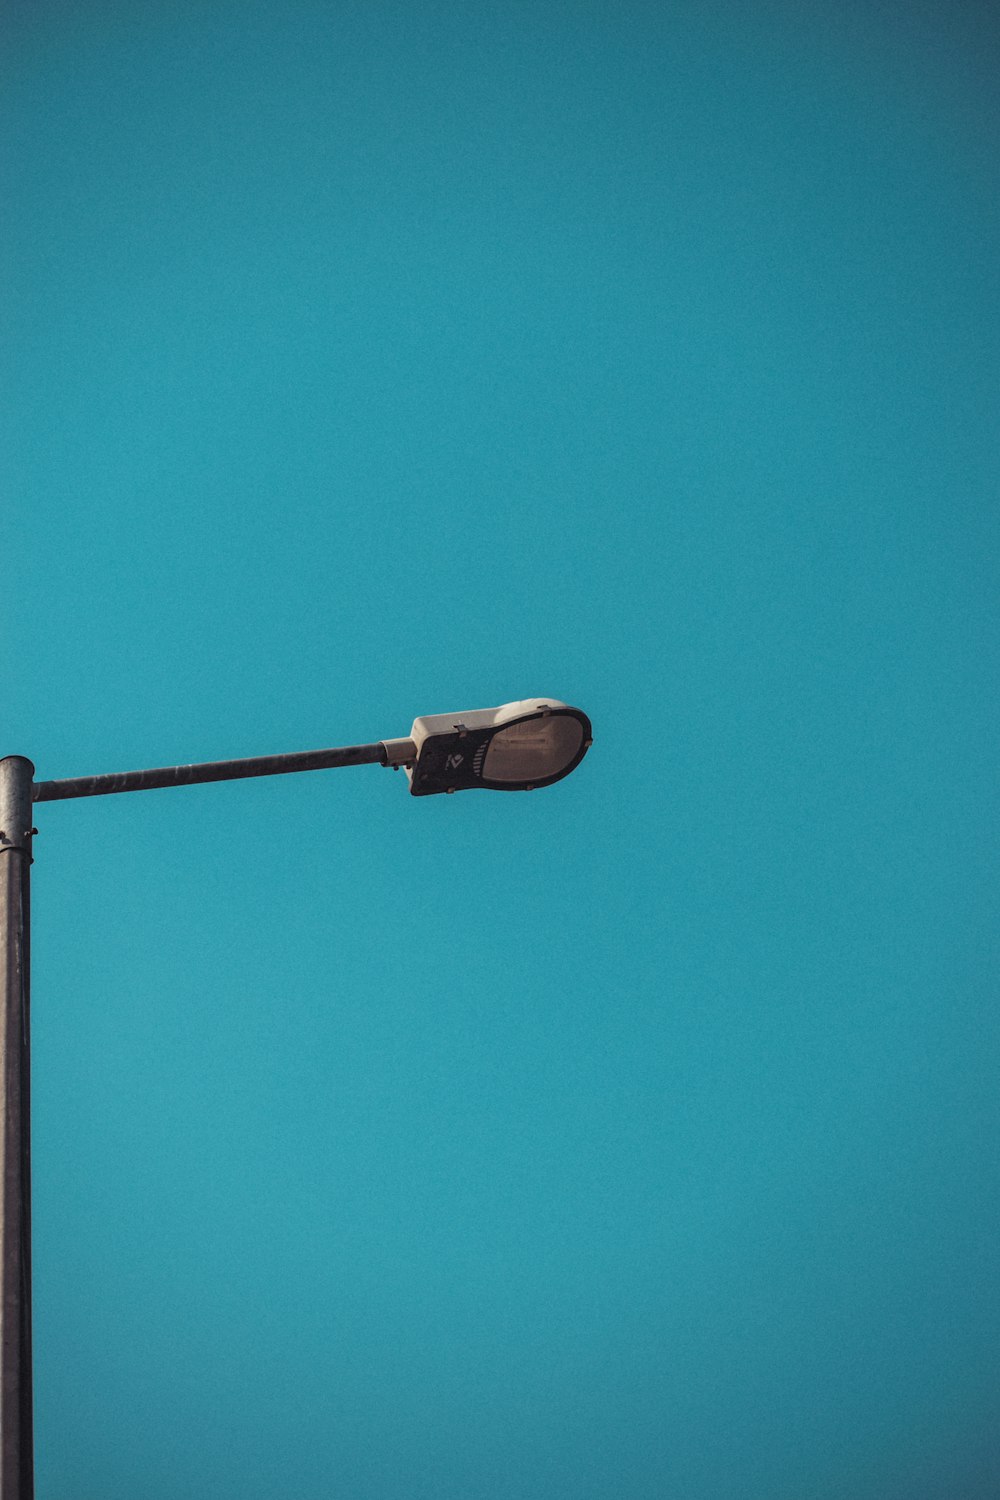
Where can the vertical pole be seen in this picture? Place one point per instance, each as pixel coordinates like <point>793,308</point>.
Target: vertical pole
<point>16,1445</point>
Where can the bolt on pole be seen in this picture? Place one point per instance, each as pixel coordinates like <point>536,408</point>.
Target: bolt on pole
<point>16,1441</point>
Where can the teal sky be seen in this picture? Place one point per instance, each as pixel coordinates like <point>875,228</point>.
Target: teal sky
<point>637,1138</point>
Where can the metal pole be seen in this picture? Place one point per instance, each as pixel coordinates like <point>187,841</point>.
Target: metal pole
<point>17,794</point>
<point>16,1445</point>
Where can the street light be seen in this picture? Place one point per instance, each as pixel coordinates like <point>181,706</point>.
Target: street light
<point>515,747</point>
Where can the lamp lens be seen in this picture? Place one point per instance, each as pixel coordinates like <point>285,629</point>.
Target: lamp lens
<point>533,749</point>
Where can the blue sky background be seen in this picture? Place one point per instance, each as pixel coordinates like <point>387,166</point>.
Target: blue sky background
<point>638,1138</point>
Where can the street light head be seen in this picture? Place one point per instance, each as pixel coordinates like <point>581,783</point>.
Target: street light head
<point>513,748</point>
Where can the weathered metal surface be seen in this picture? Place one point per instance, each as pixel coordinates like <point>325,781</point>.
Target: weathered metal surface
<point>16,1444</point>
<point>215,770</point>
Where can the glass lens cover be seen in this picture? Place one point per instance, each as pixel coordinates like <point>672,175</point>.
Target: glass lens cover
<point>534,749</point>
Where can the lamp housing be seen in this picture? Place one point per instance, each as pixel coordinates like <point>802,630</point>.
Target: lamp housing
<point>513,748</point>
